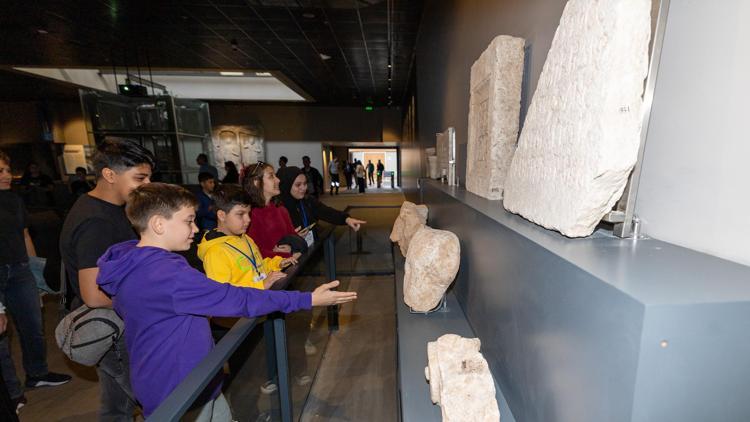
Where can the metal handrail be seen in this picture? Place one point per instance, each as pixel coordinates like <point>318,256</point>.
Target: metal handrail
<point>182,397</point>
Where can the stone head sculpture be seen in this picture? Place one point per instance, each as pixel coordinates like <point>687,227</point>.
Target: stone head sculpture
<point>431,265</point>
<point>410,219</point>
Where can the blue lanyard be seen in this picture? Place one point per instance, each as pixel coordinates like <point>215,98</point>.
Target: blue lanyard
<point>252,260</point>
<point>304,214</point>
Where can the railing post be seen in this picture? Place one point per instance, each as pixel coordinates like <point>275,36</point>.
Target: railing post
<point>282,367</point>
<point>270,340</point>
<point>329,255</point>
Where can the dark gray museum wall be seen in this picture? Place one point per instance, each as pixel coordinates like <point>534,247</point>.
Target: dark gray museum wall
<point>303,122</point>
<point>452,35</point>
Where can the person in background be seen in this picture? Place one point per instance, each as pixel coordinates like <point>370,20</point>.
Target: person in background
<point>18,292</point>
<point>370,173</point>
<point>348,171</point>
<point>79,184</point>
<point>314,178</point>
<point>270,226</point>
<point>232,176</point>
<point>361,173</point>
<point>283,161</point>
<point>202,161</point>
<point>206,214</point>
<point>9,408</point>
<point>380,168</point>
<point>304,209</point>
<point>165,303</point>
<point>33,176</point>
<point>95,222</point>
<point>333,171</point>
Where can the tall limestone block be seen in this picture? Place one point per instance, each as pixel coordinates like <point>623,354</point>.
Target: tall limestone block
<point>581,135</point>
<point>494,109</point>
<point>460,380</point>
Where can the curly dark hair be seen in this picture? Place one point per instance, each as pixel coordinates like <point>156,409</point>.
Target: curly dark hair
<point>252,182</point>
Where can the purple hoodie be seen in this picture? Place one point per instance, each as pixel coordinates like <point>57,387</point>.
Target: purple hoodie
<point>164,303</point>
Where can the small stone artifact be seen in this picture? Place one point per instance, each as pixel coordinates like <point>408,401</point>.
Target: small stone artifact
<point>431,265</point>
<point>494,110</point>
<point>460,380</point>
<point>581,135</point>
<point>410,219</point>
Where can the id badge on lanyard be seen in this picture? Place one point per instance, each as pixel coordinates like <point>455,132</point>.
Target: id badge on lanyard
<point>309,238</point>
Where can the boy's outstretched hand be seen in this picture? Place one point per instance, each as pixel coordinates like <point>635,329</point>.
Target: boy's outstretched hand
<point>324,296</point>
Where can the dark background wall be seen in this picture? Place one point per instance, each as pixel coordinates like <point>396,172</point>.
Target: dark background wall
<point>293,122</point>
<point>452,35</point>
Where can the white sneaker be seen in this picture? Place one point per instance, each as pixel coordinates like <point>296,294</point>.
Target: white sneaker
<point>268,387</point>
<point>303,380</point>
<point>310,349</point>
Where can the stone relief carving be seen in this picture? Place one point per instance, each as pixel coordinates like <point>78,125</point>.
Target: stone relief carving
<point>582,131</point>
<point>494,110</point>
<point>410,219</point>
<point>431,265</point>
<point>460,380</point>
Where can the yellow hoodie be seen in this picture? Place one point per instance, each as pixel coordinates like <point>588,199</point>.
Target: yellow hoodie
<point>229,259</point>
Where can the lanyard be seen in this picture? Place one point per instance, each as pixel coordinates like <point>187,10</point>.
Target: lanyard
<point>251,259</point>
<point>304,214</point>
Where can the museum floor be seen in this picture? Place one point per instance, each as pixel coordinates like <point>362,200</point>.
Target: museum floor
<point>354,374</point>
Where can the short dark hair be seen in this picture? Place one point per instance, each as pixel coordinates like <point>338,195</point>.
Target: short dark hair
<point>284,159</point>
<point>81,169</point>
<point>229,195</point>
<point>251,174</point>
<point>120,154</point>
<point>305,158</point>
<point>4,157</point>
<point>202,156</point>
<point>156,199</point>
<point>204,175</point>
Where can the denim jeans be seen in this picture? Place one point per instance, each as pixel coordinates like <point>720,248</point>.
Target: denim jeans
<point>117,399</point>
<point>19,294</point>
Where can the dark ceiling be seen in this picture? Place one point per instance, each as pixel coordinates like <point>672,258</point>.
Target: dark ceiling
<point>361,37</point>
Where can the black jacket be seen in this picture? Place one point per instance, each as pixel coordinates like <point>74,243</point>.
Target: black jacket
<point>313,208</point>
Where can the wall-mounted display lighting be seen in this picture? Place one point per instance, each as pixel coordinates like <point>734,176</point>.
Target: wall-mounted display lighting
<point>232,73</point>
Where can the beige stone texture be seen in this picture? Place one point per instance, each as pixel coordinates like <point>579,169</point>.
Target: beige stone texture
<point>460,380</point>
<point>431,266</point>
<point>494,109</point>
<point>410,219</point>
<point>581,135</point>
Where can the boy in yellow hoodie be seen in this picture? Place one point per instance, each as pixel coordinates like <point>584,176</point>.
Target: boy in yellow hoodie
<point>231,256</point>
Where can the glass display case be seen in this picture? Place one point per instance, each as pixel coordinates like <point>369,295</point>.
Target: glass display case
<point>176,130</point>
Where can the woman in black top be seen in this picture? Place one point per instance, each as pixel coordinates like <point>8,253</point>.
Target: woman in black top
<point>305,209</point>
<point>233,176</point>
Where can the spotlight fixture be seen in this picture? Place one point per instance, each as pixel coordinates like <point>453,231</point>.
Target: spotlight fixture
<point>42,31</point>
<point>308,15</point>
<point>389,66</point>
<point>325,56</point>
<point>234,45</point>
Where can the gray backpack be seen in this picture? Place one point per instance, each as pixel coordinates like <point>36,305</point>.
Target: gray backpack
<point>86,334</point>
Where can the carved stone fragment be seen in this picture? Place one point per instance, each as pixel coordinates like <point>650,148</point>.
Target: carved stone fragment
<point>494,109</point>
<point>431,265</point>
<point>410,219</point>
<point>582,131</point>
<point>460,380</point>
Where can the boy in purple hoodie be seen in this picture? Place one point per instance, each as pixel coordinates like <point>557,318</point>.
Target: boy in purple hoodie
<point>164,302</point>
